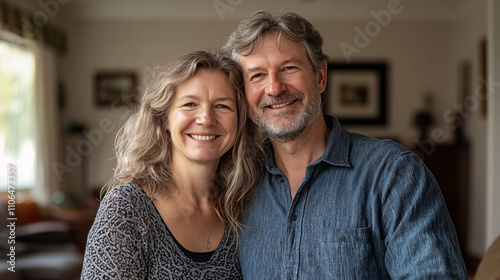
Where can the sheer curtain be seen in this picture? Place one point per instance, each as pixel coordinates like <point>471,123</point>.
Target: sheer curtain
<point>17,27</point>
<point>47,122</point>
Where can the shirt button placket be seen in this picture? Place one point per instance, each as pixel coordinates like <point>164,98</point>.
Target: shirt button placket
<point>292,247</point>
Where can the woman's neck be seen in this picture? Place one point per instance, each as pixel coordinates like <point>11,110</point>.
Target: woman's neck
<point>194,183</point>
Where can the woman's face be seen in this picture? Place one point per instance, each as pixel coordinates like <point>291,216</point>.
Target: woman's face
<point>203,119</point>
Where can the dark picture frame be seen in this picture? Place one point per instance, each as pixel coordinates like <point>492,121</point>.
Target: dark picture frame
<point>356,92</point>
<point>115,88</point>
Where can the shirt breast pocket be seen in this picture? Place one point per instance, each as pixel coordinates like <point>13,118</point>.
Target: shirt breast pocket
<point>347,253</point>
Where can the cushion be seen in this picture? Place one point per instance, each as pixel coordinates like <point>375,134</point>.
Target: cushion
<point>50,265</point>
<point>489,267</point>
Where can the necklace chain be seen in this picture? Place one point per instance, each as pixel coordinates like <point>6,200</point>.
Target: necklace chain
<point>208,244</point>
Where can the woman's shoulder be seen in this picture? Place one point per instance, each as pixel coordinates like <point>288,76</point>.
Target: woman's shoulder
<point>128,191</point>
<point>128,197</point>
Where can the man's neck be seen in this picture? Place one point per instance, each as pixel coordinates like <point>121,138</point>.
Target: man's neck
<point>293,157</point>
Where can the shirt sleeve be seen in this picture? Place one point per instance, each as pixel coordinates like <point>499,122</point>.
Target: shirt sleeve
<point>114,249</point>
<point>420,239</point>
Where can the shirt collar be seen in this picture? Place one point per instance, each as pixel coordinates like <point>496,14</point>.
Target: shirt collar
<point>339,144</point>
<point>337,149</point>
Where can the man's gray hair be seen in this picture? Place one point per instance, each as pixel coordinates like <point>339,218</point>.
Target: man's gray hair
<point>294,27</point>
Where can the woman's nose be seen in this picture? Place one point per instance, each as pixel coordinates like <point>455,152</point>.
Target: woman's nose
<point>206,117</point>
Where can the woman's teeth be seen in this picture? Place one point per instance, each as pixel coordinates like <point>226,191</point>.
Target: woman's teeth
<point>203,137</point>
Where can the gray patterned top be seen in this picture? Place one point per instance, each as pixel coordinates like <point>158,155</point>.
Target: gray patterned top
<point>129,240</point>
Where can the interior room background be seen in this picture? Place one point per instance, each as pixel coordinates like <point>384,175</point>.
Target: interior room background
<point>433,52</point>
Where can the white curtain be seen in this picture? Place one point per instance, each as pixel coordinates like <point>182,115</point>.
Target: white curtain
<point>47,123</point>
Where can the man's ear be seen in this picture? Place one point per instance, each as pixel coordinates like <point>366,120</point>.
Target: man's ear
<point>321,77</point>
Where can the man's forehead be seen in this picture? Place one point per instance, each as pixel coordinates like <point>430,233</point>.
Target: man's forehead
<point>276,40</point>
<point>271,45</point>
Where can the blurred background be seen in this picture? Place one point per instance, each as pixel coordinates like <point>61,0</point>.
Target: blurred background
<point>72,71</point>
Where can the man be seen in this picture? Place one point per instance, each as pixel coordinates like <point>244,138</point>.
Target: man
<point>332,204</point>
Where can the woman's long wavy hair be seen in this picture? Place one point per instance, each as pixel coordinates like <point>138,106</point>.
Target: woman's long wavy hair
<point>143,145</point>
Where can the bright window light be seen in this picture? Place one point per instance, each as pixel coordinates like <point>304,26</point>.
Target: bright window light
<point>17,118</point>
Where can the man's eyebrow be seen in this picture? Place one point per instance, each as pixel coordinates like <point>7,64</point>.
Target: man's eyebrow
<point>291,60</point>
<point>253,69</point>
<point>284,62</point>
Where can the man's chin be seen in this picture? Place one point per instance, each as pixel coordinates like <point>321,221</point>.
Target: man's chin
<point>283,132</point>
<point>283,137</point>
<point>282,127</point>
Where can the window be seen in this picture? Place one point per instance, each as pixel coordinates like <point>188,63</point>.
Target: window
<point>17,118</point>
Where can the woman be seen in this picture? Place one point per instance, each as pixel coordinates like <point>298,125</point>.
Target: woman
<point>187,162</point>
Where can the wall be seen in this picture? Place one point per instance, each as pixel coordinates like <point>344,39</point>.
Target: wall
<point>418,58</point>
<point>467,35</point>
<point>493,192</point>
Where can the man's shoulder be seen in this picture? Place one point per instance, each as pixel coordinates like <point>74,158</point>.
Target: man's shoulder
<point>365,146</point>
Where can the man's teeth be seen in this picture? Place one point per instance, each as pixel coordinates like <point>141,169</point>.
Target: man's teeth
<point>203,137</point>
<point>280,105</point>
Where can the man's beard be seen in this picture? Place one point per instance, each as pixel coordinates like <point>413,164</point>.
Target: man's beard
<point>280,131</point>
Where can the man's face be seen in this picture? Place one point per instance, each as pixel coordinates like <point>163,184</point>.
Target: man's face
<point>283,92</point>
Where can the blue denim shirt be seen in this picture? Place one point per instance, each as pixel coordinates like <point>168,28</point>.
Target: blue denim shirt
<point>366,209</point>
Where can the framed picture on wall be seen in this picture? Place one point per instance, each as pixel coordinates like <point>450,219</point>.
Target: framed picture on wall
<point>115,88</point>
<point>357,93</point>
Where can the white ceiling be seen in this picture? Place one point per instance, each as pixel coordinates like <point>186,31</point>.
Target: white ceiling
<point>239,9</point>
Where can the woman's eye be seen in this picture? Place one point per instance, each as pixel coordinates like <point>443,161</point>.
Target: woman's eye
<point>188,105</point>
<point>222,106</point>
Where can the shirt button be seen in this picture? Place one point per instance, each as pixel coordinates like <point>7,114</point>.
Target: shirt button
<point>282,180</point>
<point>294,217</point>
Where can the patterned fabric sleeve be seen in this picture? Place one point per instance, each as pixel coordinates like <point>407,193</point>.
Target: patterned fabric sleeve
<point>114,246</point>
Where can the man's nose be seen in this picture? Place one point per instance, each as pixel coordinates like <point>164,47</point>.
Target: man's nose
<point>275,84</point>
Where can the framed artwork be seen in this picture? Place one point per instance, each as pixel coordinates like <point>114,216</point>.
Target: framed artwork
<point>115,88</point>
<point>357,93</point>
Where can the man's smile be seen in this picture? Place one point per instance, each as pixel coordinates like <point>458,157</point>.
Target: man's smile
<point>277,106</point>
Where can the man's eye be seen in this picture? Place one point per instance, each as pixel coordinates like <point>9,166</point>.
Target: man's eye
<point>289,68</point>
<point>256,76</point>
